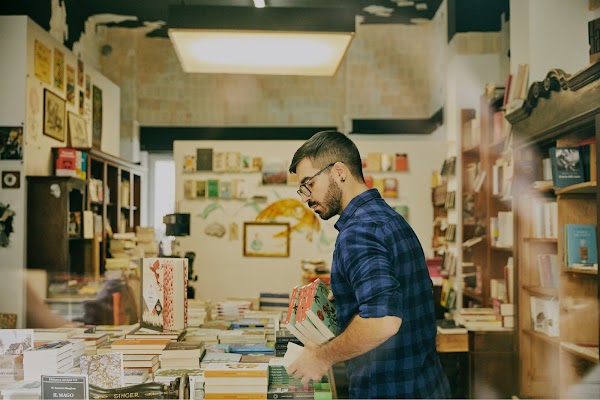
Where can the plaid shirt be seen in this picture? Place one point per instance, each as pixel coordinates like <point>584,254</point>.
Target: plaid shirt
<point>379,269</point>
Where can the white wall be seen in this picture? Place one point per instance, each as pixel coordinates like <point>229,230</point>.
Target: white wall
<point>549,34</point>
<point>220,265</point>
<point>12,113</point>
<point>21,104</point>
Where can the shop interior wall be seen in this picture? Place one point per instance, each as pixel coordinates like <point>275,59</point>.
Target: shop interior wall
<point>222,269</point>
<point>22,99</point>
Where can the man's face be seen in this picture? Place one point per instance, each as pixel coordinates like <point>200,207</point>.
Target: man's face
<point>325,196</point>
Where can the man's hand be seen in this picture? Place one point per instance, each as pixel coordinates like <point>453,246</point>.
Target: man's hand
<point>309,365</point>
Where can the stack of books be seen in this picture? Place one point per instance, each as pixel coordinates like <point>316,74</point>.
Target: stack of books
<point>134,376</point>
<point>51,358</point>
<point>207,335</point>
<point>182,355</point>
<point>232,309</point>
<point>269,301</point>
<point>210,358</point>
<point>198,312</point>
<point>236,380</point>
<point>479,319</point>
<point>196,377</point>
<point>92,341</point>
<point>243,336</point>
<point>148,362</point>
<point>282,339</point>
<point>144,333</point>
<point>48,334</point>
<point>310,315</point>
<point>78,350</point>
<point>140,346</point>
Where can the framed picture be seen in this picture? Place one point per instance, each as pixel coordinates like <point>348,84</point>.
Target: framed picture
<point>54,116</point>
<point>96,117</point>
<point>78,135</point>
<point>266,239</point>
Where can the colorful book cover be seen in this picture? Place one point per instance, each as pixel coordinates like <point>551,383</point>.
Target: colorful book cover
<point>580,246</point>
<point>322,311</point>
<point>567,166</point>
<point>103,370</point>
<point>212,188</point>
<point>164,293</point>
<point>390,187</point>
<point>303,324</point>
<point>290,318</point>
<point>189,163</point>
<point>204,159</point>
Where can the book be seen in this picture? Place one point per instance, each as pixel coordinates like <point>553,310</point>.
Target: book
<point>320,311</point>
<point>567,167</point>
<point>103,370</point>
<point>135,376</point>
<point>548,270</point>
<point>204,159</point>
<point>145,333</point>
<point>580,246</point>
<point>290,318</point>
<point>140,360</point>
<point>141,344</point>
<point>303,324</point>
<point>164,293</point>
<point>236,374</point>
<point>189,163</point>
<point>401,162</point>
<point>450,327</point>
<point>183,350</point>
<point>15,341</point>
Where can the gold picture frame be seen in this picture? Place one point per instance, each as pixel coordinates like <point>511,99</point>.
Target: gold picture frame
<point>54,116</point>
<point>266,239</point>
<point>78,134</point>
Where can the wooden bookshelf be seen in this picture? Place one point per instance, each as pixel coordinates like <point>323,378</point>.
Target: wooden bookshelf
<point>561,116</point>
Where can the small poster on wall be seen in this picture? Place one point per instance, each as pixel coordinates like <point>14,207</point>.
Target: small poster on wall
<point>42,62</point>
<point>96,117</point>
<point>54,116</point>
<point>70,84</point>
<point>11,143</point>
<point>59,69</point>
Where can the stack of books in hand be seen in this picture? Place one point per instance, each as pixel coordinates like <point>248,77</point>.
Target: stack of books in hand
<point>310,315</point>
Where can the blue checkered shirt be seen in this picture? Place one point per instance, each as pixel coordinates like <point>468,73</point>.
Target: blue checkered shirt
<point>378,270</point>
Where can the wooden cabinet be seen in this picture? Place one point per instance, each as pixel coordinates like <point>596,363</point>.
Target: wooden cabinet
<point>53,242</point>
<point>560,111</point>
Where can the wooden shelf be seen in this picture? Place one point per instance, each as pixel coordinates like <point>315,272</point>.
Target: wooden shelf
<point>580,271</point>
<point>545,338</point>
<point>473,150</point>
<point>541,291</point>
<point>589,353</point>
<point>501,248</point>
<point>580,188</point>
<point>472,294</point>
<point>540,240</point>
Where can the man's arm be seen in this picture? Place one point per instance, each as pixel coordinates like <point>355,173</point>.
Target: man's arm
<point>361,335</point>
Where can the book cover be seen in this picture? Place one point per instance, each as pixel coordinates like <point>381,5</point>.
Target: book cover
<point>189,163</point>
<point>189,189</point>
<point>401,162</point>
<point>183,350</point>
<point>237,370</point>
<point>580,246</point>
<point>15,341</point>
<point>201,189</point>
<point>204,159</point>
<point>219,161</point>
<point>164,293</point>
<point>321,312</point>
<point>141,344</point>
<point>103,370</point>
<point>290,318</point>
<point>212,188</point>
<point>304,324</point>
<point>390,187</point>
<point>567,167</point>
<point>548,270</point>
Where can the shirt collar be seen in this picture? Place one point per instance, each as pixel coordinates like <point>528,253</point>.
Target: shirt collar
<point>354,205</point>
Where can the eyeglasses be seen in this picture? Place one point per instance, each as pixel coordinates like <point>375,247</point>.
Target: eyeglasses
<point>304,190</point>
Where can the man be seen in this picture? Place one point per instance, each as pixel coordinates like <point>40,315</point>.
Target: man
<point>379,279</point>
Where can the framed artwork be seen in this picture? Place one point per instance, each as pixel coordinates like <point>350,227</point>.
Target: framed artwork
<point>266,239</point>
<point>54,116</point>
<point>78,135</point>
<point>96,117</point>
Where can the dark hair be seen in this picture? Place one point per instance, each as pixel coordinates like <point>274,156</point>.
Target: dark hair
<point>327,147</point>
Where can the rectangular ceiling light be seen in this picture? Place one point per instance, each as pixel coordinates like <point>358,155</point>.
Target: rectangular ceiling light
<point>270,41</point>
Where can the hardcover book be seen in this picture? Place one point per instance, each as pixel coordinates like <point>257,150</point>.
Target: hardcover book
<point>567,166</point>
<point>204,159</point>
<point>290,318</point>
<point>164,293</point>
<point>321,312</point>
<point>580,246</point>
<point>303,324</point>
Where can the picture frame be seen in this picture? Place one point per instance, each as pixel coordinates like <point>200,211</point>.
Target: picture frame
<point>96,117</point>
<point>54,116</point>
<point>78,135</point>
<point>266,239</point>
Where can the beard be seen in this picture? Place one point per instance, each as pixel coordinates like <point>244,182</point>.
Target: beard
<point>332,203</point>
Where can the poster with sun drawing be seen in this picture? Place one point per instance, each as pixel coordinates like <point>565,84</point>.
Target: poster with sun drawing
<point>164,293</point>
<point>266,239</point>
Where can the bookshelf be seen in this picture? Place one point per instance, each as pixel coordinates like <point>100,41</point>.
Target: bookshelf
<point>559,111</point>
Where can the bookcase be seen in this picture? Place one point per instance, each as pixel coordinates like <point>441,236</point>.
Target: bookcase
<point>487,230</point>
<point>557,319</point>
<point>111,191</point>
